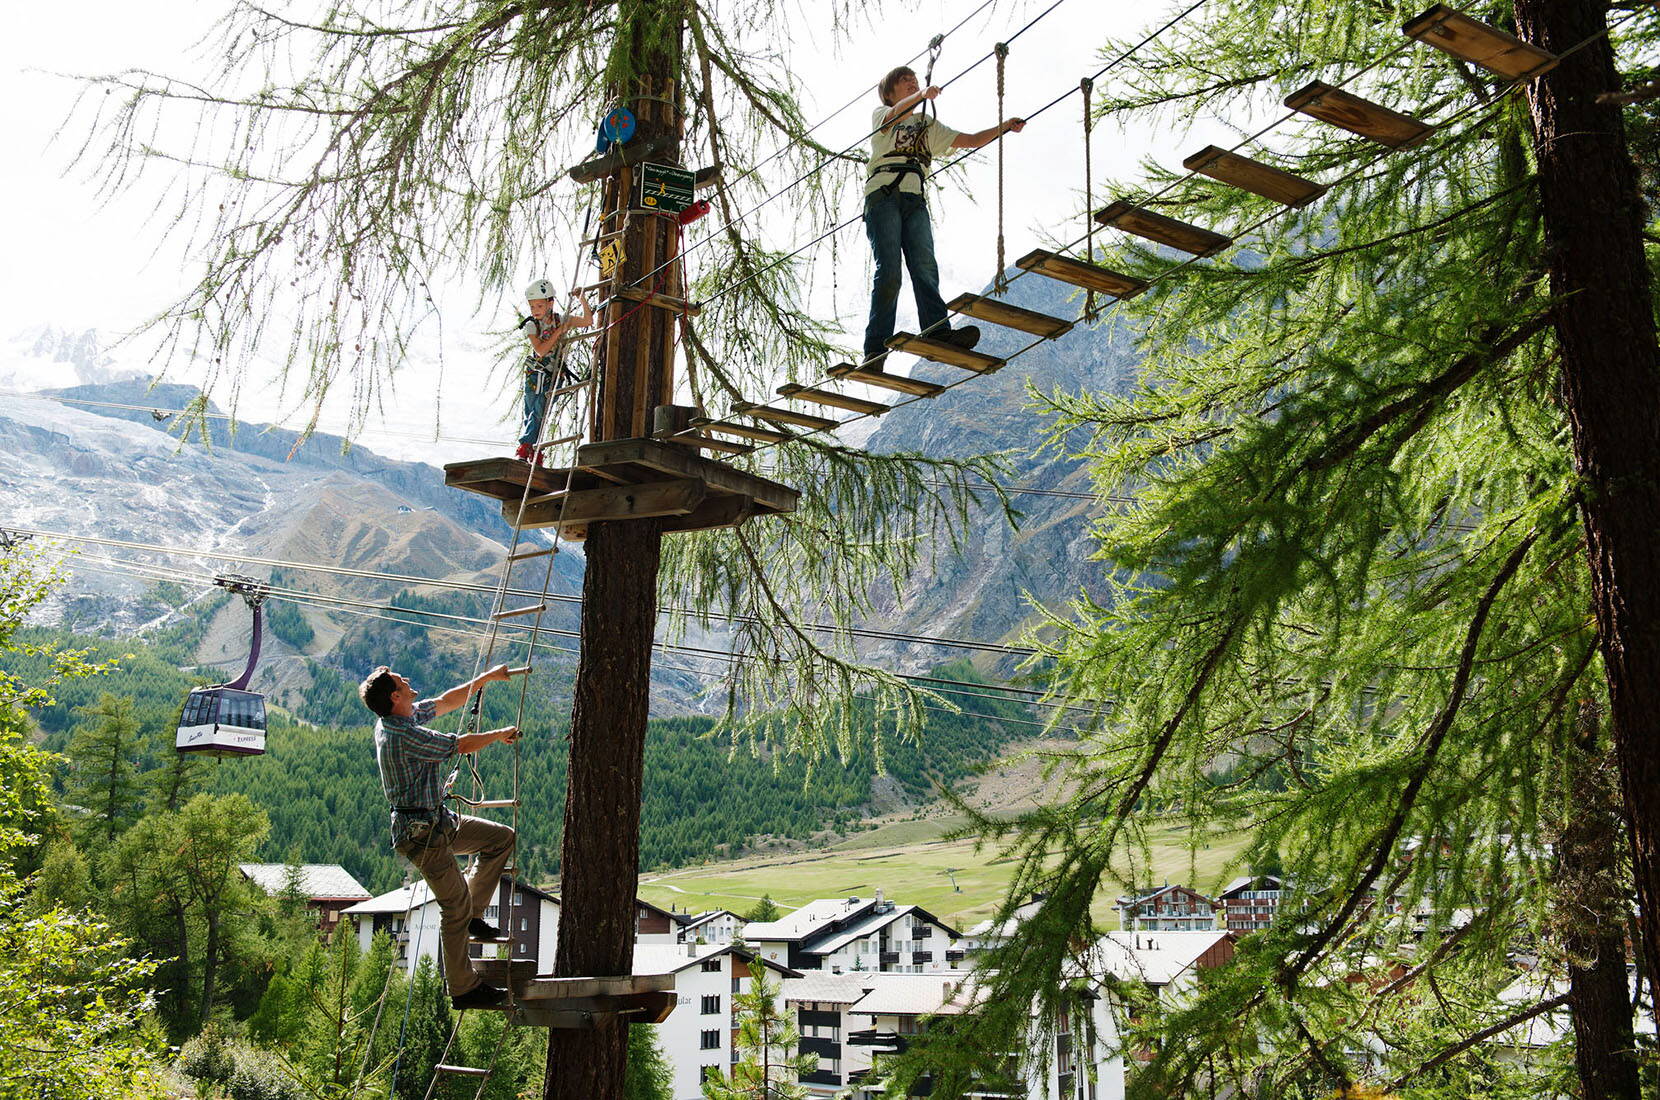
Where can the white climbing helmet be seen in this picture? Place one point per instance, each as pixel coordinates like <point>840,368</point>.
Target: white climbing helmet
<point>541,288</point>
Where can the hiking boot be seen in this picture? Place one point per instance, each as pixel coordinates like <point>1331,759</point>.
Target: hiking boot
<point>965,337</point>
<point>482,995</point>
<point>480,929</point>
<point>524,452</point>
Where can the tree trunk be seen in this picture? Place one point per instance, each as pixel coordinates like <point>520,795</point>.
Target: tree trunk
<point>1610,388</point>
<point>1588,915</point>
<point>600,853</point>
<point>210,961</point>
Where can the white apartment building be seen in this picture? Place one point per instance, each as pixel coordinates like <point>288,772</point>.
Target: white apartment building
<point>858,934</point>
<point>697,1037</point>
<point>850,1020</point>
<point>410,916</point>
<point>715,926</point>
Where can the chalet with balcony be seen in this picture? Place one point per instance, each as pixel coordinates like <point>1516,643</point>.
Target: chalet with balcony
<point>1167,909</point>
<point>858,934</point>
<point>1249,903</point>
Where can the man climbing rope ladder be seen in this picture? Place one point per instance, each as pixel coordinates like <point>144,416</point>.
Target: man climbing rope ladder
<point>425,831</point>
<point>545,369</point>
<point>896,214</point>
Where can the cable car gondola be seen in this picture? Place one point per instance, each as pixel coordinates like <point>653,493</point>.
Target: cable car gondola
<point>228,719</point>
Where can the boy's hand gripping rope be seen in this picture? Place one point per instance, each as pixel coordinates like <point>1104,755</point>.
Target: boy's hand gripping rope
<point>1000,282</point>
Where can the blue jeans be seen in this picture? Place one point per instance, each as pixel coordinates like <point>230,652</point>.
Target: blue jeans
<point>897,225</point>
<point>537,384</point>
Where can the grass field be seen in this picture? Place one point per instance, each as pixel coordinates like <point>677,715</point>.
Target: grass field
<point>913,863</point>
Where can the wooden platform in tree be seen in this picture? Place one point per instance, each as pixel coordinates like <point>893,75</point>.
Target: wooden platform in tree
<point>583,1002</point>
<point>626,479</point>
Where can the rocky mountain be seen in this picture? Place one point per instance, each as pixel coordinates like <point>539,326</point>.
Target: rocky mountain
<point>985,593</point>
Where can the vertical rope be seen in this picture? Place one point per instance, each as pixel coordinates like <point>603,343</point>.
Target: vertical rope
<point>935,44</point>
<point>1000,282</point>
<point>1086,85</point>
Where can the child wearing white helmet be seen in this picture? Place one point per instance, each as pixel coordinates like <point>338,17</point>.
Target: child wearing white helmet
<point>545,368</point>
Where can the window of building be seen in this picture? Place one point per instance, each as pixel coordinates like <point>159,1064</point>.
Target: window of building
<point>707,1072</point>
<point>490,912</point>
<point>524,924</point>
<point>710,1040</point>
<point>711,966</point>
<point>711,1003</point>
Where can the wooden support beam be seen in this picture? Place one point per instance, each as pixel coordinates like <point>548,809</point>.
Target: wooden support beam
<point>916,387</point>
<point>1089,276</point>
<point>1283,187</point>
<point>996,312</point>
<point>678,462</point>
<point>661,301</point>
<point>634,152</point>
<point>1161,229</point>
<point>660,498</point>
<point>1358,116</point>
<point>1453,32</point>
<point>745,431</point>
<point>784,416</point>
<point>710,443</point>
<point>833,399</point>
<point>725,511</point>
<point>941,352</point>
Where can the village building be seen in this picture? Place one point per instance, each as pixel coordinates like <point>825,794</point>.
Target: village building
<point>714,926</point>
<point>1249,903</point>
<point>857,934</point>
<point>329,889</point>
<point>698,1037</point>
<point>1167,909</point>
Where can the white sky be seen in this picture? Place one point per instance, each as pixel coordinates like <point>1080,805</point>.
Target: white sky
<point>75,263</point>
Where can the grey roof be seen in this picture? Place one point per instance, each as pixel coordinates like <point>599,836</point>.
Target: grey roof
<point>671,958</point>
<point>808,921</point>
<point>821,985</point>
<point>317,880</point>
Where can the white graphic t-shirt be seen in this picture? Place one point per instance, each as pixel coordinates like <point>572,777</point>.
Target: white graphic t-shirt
<point>914,137</point>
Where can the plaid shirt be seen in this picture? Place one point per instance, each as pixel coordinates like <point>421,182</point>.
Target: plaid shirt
<point>410,757</point>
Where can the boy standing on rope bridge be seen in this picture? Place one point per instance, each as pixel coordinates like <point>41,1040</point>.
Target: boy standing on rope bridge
<point>896,214</point>
<point>411,758</point>
<point>545,368</point>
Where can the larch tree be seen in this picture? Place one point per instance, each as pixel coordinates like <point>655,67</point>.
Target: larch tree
<point>347,170</point>
<point>104,750</point>
<point>1385,551</point>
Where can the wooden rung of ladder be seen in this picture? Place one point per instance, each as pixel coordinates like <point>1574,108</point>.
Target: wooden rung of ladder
<point>560,442</point>
<point>941,352</point>
<point>531,610</point>
<point>724,446</point>
<point>461,1071</point>
<point>494,803</point>
<point>1162,229</point>
<point>1453,32</point>
<point>526,555</point>
<point>833,399</point>
<point>995,312</point>
<point>1285,188</point>
<point>746,431</point>
<point>603,284</point>
<point>661,301</point>
<point>1078,273</point>
<point>916,387</point>
<point>1358,116</point>
<point>572,388</point>
<point>613,235</point>
<point>784,416</point>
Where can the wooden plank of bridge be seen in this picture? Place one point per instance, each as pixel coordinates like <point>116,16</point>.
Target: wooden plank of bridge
<point>995,312</point>
<point>1358,116</point>
<point>1162,229</point>
<point>746,431</point>
<point>1089,276</point>
<point>833,399</point>
<point>1453,32</point>
<point>1286,188</point>
<point>916,387</point>
<point>784,416</point>
<point>941,352</point>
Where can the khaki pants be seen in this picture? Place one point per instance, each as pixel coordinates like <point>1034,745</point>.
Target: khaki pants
<point>460,900</point>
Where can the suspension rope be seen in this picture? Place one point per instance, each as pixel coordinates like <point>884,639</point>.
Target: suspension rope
<point>1087,86</point>
<point>1000,282</point>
